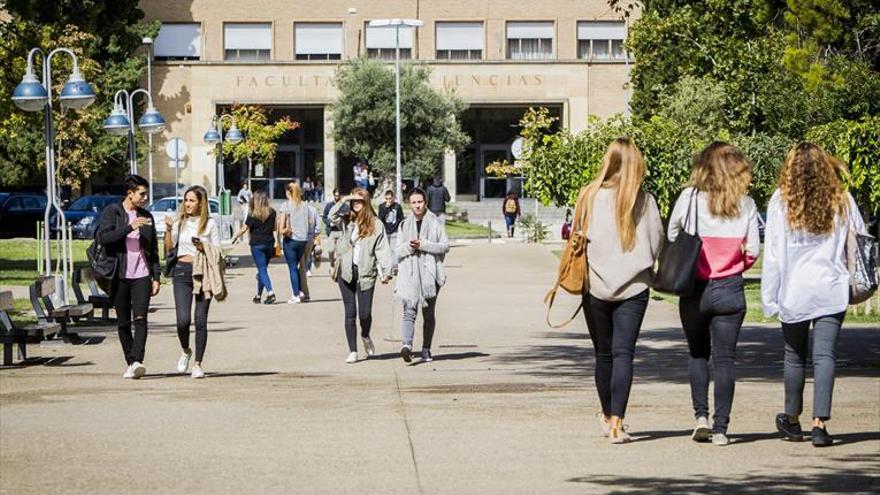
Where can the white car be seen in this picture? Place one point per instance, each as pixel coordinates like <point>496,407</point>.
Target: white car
<point>169,206</point>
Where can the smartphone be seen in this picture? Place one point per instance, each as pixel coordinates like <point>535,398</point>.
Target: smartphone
<point>196,240</point>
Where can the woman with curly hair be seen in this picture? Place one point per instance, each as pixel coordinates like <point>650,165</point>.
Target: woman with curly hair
<point>805,279</point>
<point>715,206</point>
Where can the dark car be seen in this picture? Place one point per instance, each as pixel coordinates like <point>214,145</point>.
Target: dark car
<point>83,214</point>
<point>20,212</point>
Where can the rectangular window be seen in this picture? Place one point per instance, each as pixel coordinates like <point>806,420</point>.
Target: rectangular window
<point>460,40</point>
<point>381,42</point>
<point>244,42</point>
<point>318,40</point>
<point>529,40</point>
<point>601,40</point>
<point>178,42</point>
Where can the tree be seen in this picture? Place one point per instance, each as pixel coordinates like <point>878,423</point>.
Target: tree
<point>364,118</point>
<point>260,136</point>
<point>105,50</point>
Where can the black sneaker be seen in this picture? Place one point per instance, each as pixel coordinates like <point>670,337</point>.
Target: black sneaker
<point>256,299</point>
<point>406,353</point>
<point>821,438</point>
<point>792,431</point>
<point>270,299</point>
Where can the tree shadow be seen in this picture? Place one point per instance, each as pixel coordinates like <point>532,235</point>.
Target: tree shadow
<point>458,356</point>
<point>210,374</point>
<point>57,361</point>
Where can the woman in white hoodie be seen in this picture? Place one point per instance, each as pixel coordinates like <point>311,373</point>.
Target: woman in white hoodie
<point>805,280</point>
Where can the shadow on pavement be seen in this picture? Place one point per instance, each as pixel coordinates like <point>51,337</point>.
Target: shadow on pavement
<point>209,374</point>
<point>859,477</point>
<point>58,361</point>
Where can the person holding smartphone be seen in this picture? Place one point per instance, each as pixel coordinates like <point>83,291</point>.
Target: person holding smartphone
<point>127,233</point>
<point>189,233</point>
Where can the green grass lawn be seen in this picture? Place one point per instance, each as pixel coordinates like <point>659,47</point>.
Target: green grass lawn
<point>461,230</point>
<point>18,259</point>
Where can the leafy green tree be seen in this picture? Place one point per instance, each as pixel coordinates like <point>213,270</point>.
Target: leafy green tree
<point>260,135</point>
<point>364,120</point>
<point>105,35</point>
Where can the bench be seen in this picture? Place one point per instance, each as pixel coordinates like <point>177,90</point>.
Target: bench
<point>11,336</point>
<point>40,294</point>
<point>96,298</point>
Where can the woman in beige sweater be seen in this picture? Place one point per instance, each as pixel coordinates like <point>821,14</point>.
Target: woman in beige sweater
<point>624,234</point>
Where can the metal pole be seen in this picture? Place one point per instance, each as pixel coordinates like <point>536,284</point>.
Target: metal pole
<point>132,146</point>
<point>398,180</point>
<point>176,171</point>
<point>150,136</point>
<point>50,193</point>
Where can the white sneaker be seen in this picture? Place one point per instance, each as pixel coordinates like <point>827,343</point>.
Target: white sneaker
<point>308,273</point>
<point>129,372</point>
<point>138,370</point>
<point>701,430</point>
<point>352,358</point>
<point>197,372</point>
<point>368,346</point>
<point>720,439</point>
<point>183,362</point>
<point>294,300</point>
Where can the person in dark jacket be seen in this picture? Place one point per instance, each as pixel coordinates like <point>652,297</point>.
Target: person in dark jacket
<point>391,214</point>
<point>127,233</point>
<point>438,196</point>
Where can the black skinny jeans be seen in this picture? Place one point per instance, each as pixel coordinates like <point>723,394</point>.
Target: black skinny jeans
<point>183,299</point>
<point>358,305</point>
<point>712,318</point>
<point>614,327</point>
<point>132,301</point>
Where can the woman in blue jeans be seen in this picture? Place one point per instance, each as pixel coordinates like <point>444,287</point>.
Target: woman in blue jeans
<point>294,224</point>
<point>260,222</point>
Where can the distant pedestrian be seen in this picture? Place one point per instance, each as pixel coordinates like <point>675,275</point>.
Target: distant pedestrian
<point>304,265</point>
<point>715,206</point>
<point>361,175</point>
<point>391,214</point>
<point>511,210</point>
<point>438,196</point>
<point>363,257</point>
<point>805,280</point>
<point>244,200</point>
<point>293,226</point>
<point>127,233</point>
<point>566,225</point>
<point>260,224</point>
<point>420,253</point>
<point>308,189</point>
<point>333,227</point>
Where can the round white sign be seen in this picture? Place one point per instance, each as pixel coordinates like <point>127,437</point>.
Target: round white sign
<point>517,147</point>
<point>176,149</point>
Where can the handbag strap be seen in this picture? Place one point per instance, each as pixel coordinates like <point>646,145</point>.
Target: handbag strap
<point>687,218</point>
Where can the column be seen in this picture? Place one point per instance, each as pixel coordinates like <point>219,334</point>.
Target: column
<point>330,181</point>
<point>449,175</point>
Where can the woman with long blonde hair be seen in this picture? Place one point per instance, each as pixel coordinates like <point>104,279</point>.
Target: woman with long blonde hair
<point>260,222</point>
<point>624,234</point>
<point>294,224</point>
<point>804,278</point>
<point>715,206</point>
<point>189,233</point>
<point>363,256</point>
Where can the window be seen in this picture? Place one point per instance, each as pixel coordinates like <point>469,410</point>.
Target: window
<point>381,42</point>
<point>601,40</point>
<point>318,41</point>
<point>247,41</point>
<point>178,42</point>
<point>529,40</point>
<point>460,40</point>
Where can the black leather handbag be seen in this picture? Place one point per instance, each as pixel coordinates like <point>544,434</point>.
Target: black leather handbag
<point>677,268</point>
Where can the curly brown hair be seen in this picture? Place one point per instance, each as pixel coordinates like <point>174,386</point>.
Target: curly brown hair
<point>812,190</point>
<point>723,172</point>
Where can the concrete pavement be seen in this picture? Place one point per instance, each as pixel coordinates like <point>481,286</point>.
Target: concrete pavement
<point>506,407</point>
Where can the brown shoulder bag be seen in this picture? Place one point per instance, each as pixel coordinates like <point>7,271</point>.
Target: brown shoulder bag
<point>573,275</point>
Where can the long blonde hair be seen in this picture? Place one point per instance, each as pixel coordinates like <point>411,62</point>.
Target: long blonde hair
<point>294,193</point>
<point>811,187</point>
<point>723,172</point>
<point>623,170</point>
<point>202,196</point>
<point>260,208</point>
<point>366,219</point>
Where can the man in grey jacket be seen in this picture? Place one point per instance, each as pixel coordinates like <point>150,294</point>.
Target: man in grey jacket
<point>422,246</point>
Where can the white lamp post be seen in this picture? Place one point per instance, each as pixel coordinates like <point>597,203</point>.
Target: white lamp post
<point>397,24</point>
<point>149,44</point>
<point>121,121</point>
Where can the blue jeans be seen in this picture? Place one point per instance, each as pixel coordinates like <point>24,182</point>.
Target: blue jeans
<point>262,253</point>
<point>293,252</point>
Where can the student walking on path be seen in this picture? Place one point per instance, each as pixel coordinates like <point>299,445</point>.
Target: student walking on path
<point>511,211</point>
<point>438,196</point>
<point>261,226</point>
<point>194,247</point>
<point>805,280</point>
<point>127,233</point>
<point>363,256</point>
<point>293,226</point>
<point>715,206</point>
<point>391,214</point>
<point>333,228</point>
<point>304,265</point>
<point>624,234</point>
<point>420,252</point>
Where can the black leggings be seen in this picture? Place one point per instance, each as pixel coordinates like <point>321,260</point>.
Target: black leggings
<point>131,301</point>
<point>358,305</point>
<point>183,299</point>
<point>614,327</point>
<point>712,318</point>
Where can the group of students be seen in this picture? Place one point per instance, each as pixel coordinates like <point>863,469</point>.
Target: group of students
<point>804,277</point>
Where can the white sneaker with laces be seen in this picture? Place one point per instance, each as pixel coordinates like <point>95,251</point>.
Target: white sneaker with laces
<point>720,439</point>
<point>129,372</point>
<point>701,430</point>
<point>183,362</point>
<point>352,358</point>
<point>197,372</point>
<point>294,300</point>
<point>368,346</point>
<point>138,370</point>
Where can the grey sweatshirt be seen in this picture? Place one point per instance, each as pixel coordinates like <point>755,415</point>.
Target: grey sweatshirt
<point>616,275</point>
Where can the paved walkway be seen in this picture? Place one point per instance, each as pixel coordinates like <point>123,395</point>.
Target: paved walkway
<point>506,407</point>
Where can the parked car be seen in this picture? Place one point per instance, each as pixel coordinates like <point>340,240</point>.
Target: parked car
<point>84,214</point>
<point>170,205</point>
<point>20,212</point>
